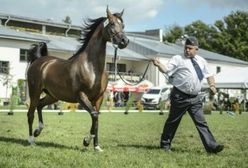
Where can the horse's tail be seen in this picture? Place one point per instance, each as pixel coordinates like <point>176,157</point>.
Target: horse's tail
<point>36,51</point>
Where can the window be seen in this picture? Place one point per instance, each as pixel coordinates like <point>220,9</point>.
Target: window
<point>120,67</point>
<point>4,67</point>
<point>218,69</point>
<point>23,55</point>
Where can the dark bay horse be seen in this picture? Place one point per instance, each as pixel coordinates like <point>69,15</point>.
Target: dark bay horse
<point>82,78</point>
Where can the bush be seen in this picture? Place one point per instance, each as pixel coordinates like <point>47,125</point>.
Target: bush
<point>207,108</point>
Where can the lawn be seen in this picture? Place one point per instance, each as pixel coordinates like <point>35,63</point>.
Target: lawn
<point>128,141</point>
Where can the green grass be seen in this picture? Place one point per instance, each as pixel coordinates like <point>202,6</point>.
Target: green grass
<point>128,141</point>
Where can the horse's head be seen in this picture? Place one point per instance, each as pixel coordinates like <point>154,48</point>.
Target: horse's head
<point>114,29</point>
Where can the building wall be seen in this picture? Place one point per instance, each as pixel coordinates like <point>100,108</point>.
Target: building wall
<point>17,68</point>
<point>137,66</point>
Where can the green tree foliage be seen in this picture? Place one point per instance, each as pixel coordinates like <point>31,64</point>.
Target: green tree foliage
<point>228,36</point>
<point>174,33</point>
<point>203,32</point>
<point>232,35</point>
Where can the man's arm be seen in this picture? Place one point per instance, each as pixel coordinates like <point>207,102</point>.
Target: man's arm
<point>211,83</point>
<point>158,64</point>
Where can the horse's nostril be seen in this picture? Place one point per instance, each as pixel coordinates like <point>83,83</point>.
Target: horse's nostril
<point>123,41</point>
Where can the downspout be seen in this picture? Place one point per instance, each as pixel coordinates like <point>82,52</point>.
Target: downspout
<point>5,24</point>
<point>66,32</point>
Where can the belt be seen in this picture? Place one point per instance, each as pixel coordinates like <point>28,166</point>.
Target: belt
<point>176,90</point>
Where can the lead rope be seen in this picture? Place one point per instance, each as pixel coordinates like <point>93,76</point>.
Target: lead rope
<point>117,72</point>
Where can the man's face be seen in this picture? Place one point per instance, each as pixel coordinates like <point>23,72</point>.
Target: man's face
<point>190,51</point>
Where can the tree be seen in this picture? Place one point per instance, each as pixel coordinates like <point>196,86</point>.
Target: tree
<point>228,36</point>
<point>232,36</point>
<point>67,20</point>
<point>174,33</point>
<point>203,32</point>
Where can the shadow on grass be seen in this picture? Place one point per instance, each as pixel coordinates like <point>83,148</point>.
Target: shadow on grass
<point>149,147</point>
<point>153,147</point>
<point>39,144</point>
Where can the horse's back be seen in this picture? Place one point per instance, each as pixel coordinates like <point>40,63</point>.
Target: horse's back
<point>41,63</point>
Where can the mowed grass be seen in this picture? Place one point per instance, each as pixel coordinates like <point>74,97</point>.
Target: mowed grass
<point>128,141</point>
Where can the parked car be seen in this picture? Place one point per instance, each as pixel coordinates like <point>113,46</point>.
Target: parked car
<point>153,97</point>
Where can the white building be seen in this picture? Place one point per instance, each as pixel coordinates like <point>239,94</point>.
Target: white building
<point>18,33</point>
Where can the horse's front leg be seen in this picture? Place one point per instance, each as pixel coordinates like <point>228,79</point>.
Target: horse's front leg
<point>84,101</point>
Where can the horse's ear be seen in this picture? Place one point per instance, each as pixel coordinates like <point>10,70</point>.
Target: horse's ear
<point>109,14</point>
<point>122,12</point>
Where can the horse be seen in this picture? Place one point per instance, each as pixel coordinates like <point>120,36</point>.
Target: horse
<point>80,79</point>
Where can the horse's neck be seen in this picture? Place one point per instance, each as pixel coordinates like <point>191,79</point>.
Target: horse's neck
<point>95,52</point>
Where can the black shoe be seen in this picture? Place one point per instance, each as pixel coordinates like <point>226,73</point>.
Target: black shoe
<point>218,149</point>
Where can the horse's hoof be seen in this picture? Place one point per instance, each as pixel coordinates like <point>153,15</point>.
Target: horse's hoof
<point>98,149</point>
<point>36,132</point>
<point>31,141</point>
<point>33,144</point>
<point>86,142</point>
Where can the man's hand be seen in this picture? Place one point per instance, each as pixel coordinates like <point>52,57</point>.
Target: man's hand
<point>211,83</point>
<point>158,64</point>
<point>156,61</point>
<point>213,90</point>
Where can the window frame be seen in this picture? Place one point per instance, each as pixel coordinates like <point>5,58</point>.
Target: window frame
<point>23,55</point>
<point>3,68</point>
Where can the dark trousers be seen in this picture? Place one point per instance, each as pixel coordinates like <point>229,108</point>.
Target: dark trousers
<point>180,103</point>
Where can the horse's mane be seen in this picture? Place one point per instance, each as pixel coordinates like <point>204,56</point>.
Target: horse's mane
<point>89,28</point>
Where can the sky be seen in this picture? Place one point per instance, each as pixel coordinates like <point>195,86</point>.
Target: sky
<point>139,15</point>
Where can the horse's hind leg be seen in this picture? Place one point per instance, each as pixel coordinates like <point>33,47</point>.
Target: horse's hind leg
<point>30,115</point>
<point>42,102</point>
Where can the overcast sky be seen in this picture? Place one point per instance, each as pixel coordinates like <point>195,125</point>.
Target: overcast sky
<point>139,15</point>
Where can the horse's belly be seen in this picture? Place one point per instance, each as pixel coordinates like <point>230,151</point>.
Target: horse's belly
<point>63,95</point>
<point>67,98</point>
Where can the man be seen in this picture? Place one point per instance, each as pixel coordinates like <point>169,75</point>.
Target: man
<point>186,73</point>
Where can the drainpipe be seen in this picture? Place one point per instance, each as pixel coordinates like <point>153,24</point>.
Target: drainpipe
<point>69,27</point>
<point>5,24</point>
<point>43,29</point>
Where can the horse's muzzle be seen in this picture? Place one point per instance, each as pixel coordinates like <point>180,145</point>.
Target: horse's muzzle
<point>121,40</point>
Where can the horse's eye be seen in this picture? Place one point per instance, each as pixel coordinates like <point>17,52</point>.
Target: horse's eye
<point>119,21</point>
<point>111,23</point>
